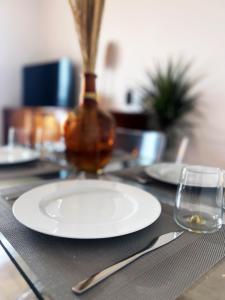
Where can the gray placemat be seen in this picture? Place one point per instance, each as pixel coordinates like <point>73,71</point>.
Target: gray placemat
<point>163,274</point>
<point>28,169</point>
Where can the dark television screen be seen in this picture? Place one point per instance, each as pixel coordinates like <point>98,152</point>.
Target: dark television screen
<point>50,84</point>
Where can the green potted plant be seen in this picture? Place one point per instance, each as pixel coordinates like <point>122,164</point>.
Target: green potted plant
<point>168,98</point>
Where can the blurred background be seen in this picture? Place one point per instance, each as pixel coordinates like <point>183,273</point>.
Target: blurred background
<point>40,60</point>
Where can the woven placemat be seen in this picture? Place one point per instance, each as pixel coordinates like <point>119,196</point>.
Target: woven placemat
<point>164,274</point>
<point>28,169</point>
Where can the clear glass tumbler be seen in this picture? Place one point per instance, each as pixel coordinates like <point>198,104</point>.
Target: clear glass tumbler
<point>18,137</point>
<point>199,199</point>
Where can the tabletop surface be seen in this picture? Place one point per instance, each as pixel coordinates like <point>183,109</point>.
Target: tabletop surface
<point>137,281</point>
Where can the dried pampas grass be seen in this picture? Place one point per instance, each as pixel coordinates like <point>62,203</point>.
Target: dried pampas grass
<point>87,16</point>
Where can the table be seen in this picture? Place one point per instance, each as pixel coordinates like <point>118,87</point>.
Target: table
<point>165,274</point>
<point>208,287</point>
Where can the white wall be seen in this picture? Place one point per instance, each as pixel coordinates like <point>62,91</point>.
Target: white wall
<point>20,43</point>
<point>146,31</point>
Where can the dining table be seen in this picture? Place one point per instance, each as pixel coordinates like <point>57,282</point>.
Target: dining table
<point>189,268</point>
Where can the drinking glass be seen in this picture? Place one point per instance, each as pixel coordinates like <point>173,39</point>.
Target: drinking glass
<point>199,199</point>
<point>18,137</point>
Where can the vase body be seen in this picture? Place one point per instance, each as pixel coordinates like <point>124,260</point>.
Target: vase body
<point>89,132</point>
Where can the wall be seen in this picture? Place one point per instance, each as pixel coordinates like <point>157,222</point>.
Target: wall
<point>20,43</point>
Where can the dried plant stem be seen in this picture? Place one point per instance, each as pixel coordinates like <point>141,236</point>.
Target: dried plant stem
<point>87,16</point>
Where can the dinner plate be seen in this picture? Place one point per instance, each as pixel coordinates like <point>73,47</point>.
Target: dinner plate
<point>165,172</point>
<point>17,154</point>
<point>86,209</point>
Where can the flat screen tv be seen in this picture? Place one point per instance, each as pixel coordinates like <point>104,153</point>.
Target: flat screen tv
<point>49,84</point>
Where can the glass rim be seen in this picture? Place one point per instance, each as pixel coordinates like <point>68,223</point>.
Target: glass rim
<point>201,169</point>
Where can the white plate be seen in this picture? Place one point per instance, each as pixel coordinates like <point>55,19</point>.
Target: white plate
<point>165,172</point>
<point>86,209</point>
<point>17,154</point>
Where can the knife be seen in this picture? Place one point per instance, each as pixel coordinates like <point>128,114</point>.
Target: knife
<point>96,278</point>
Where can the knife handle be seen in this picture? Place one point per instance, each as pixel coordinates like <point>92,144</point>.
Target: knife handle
<point>96,278</point>
<point>156,243</point>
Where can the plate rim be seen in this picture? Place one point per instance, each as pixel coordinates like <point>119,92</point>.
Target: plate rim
<point>156,177</point>
<point>23,161</point>
<point>75,236</point>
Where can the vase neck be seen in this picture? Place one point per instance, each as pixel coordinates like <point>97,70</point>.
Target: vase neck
<point>89,95</point>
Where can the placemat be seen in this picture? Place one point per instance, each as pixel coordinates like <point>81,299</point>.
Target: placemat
<point>164,274</point>
<point>29,169</point>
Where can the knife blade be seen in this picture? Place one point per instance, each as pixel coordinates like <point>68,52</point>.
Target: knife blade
<point>96,278</point>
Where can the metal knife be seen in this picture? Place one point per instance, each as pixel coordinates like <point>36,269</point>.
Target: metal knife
<point>96,278</point>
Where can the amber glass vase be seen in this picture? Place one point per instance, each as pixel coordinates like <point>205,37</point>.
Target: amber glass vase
<point>89,131</point>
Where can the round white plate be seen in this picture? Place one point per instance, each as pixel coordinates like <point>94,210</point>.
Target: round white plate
<point>86,209</point>
<point>17,154</point>
<point>165,172</point>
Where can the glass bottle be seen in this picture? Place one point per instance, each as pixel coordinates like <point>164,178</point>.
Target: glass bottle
<point>89,131</point>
